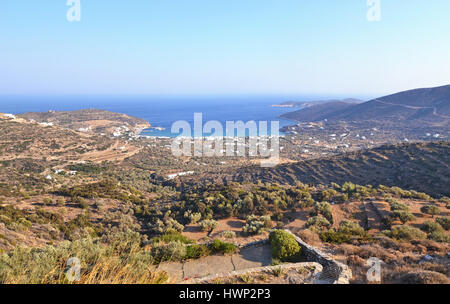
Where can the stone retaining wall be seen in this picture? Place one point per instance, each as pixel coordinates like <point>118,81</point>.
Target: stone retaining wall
<point>333,271</point>
<point>327,270</point>
<point>318,269</point>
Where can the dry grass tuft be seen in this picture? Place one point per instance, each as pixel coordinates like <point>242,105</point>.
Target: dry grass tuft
<point>122,261</point>
<point>421,277</point>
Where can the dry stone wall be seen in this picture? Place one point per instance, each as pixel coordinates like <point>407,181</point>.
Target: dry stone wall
<point>327,270</point>
<point>333,271</point>
<point>318,269</point>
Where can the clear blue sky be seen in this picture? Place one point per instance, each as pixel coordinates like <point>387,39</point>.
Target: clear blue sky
<point>194,47</point>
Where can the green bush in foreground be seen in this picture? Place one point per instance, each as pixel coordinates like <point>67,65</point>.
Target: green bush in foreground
<point>284,246</point>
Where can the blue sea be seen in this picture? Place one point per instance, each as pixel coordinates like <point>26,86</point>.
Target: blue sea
<point>162,111</point>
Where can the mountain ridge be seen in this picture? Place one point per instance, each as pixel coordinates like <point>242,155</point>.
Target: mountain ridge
<point>416,166</point>
<point>426,104</point>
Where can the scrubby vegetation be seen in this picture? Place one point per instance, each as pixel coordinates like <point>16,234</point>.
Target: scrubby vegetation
<point>323,209</point>
<point>444,222</point>
<point>406,233</point>
<point>208,225</point>
<point>219,246</point>
<point>318,222</point>
<point>257,225</point>
<point>60,197</point>
<point>193,218</point>
<point>347,231</point>
<point>430,209</point>
<point>103,189</point>
<point>117,259</point>
<point>174,247</point>
<point>228,234</point>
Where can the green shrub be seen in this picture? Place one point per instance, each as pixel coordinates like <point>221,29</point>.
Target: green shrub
<point>430,227</point>
<point>444,222</point>
<point>228,234</point>
<point>324,209</point>
<point>81,202</point>
<point>257,225</point>
<point>284,246</point>
<point>348,188</point>
<point>397,206</point>
<point>335,237</point>
<point>172,237</point>
<point>169,225</point>
<point>430,209</point>
<point>208,225</point>
<point>193,218</point>
<point>402,215</point>
<point>406,233</point>
<point>173,251</point>
<point>351,228</point>
<point>318,222</point>
<point>197,251</point>
<point>219,246</point>
<point>23,224</point>
<point>5,219</point>
<point>439,236</point>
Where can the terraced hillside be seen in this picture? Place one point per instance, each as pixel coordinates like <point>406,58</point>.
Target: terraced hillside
<point>419,166</point>
<point>66,193</point>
